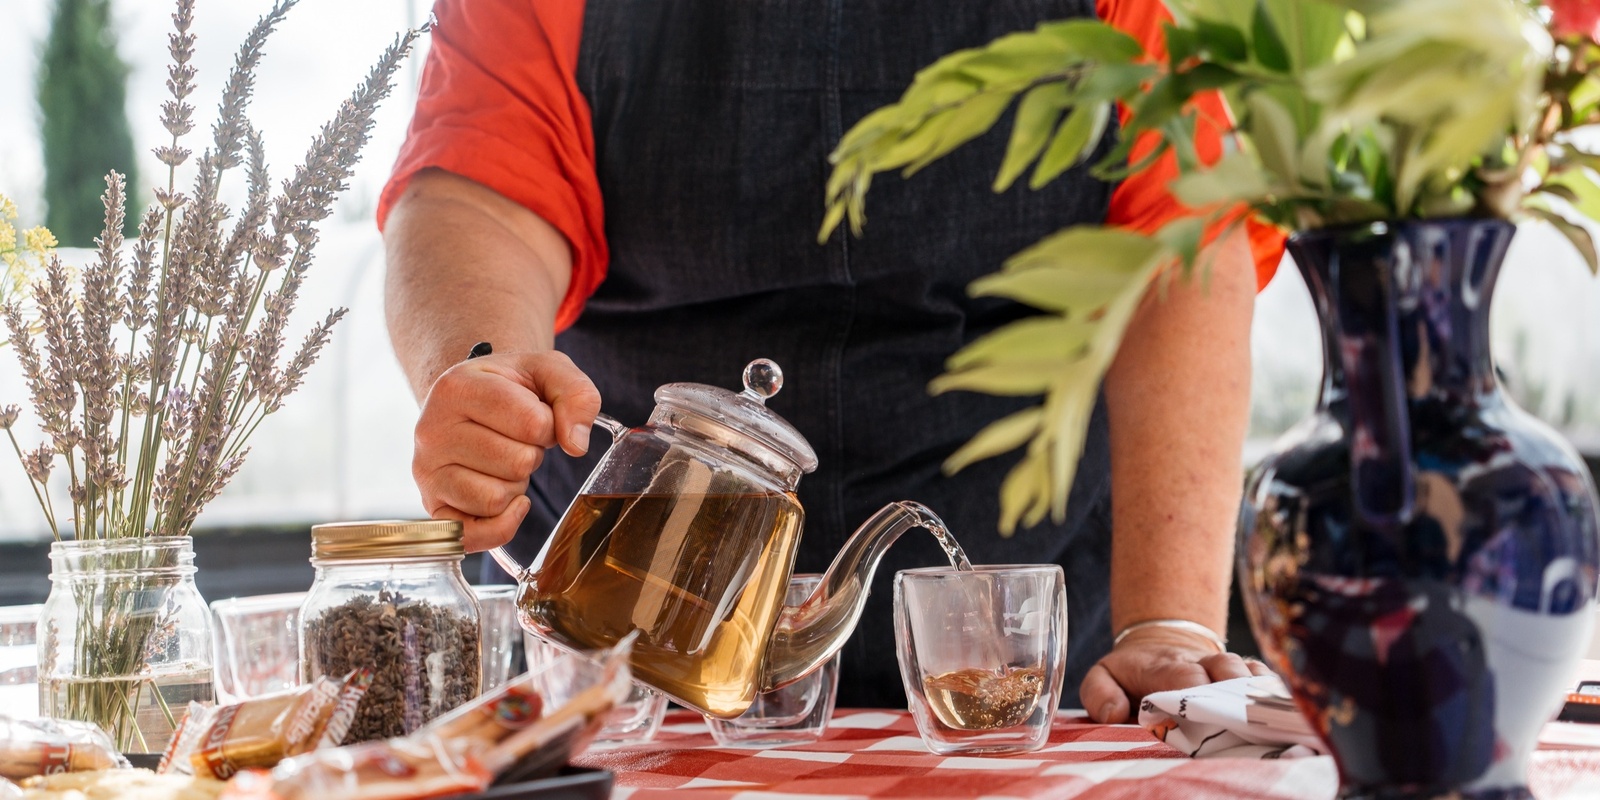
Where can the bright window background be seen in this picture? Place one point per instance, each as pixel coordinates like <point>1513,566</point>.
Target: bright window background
<point>341,447</point>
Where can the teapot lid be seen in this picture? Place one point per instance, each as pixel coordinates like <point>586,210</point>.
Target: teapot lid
<point>745,412</point>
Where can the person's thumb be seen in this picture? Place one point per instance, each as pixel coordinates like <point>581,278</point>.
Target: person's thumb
<point>1103,697</point>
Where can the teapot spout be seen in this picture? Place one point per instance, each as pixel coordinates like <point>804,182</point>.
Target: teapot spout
<point>809,634</point>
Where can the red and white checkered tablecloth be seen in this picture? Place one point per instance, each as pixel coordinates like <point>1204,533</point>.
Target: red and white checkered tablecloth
<point>872,754</point>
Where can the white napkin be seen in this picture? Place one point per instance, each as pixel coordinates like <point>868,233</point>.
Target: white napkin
<point>1242,718</point>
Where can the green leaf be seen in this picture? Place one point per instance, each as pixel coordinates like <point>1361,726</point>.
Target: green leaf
<point>1310,31</point>
<point>1040,338</point>
<point>964,123</point>
<point>1223,42</point>
<point>1162,102</point>
<point>1206,77</point>
<point>1010,379</point>
<point>1576,234</point>
<point>1580,183</point>
<point>1024,494</point>
<point>1067,409</point>
<point>1001,436</point>
<point>1270,51</point>
<point>1073,141</point>
<point>1272,131</point>
<point>1092,40</point>
<point>1037,115</point>
<point>1089,247</point>
<point>1236,177</point>
<point>1018,57</point>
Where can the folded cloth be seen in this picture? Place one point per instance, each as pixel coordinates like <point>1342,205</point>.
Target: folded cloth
<point>1242,718</point>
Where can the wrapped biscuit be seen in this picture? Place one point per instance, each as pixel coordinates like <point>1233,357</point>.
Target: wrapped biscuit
<point>409,768</point>
<point>507,735</point>
<point>48,747</point>
<point>262,731</point>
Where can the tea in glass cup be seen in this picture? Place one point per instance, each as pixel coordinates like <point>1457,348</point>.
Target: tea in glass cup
<point>982,654</point>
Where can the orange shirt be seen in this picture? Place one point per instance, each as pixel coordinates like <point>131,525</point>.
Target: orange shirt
<point>500,105</point>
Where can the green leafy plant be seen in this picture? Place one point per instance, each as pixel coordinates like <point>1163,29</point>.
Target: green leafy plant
<point>1344,112</point>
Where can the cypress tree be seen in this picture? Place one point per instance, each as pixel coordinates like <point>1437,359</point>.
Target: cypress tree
<point>83,86</point>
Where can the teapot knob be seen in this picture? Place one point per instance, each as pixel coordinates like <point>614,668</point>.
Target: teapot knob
<point>762,379</point>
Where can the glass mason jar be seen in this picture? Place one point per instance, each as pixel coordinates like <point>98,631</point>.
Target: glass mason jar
<point>389,597</point>
<point>124,638</point>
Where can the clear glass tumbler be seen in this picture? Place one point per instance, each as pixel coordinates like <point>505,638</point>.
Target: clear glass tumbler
<point>795,714</point>
<point>19,659</point>
<point>982,654</point>
<point>633,721</point>
<point>502,636</point>
<point>257,644</point>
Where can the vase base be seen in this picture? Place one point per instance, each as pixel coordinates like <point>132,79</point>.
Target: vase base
<point>1433,793</point>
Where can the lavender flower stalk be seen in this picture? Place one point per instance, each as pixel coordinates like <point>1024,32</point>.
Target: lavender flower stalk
<point>150,369</point>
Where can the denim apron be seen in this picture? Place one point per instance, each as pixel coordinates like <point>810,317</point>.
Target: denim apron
<point>713,120</point>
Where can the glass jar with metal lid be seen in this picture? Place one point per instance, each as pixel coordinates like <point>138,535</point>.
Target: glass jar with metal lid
<point>389,596</point>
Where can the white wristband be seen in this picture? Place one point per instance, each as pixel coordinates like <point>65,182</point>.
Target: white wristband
<point>1175,624</point>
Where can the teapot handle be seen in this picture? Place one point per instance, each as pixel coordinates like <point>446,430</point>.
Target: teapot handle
<point>504,558</point>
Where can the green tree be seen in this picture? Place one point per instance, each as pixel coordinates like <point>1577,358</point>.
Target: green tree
<point>83,119</point>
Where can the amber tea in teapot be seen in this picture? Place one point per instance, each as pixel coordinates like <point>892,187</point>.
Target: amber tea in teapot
<point>703,615</point>
<point>686,533</point>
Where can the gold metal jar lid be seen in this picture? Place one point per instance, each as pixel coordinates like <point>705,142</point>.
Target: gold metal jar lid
<point>389,538</point>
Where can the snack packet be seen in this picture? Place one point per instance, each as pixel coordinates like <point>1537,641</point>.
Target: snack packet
<point>219,741</point>
<point>46,747</point>
<point>506,735</point>
<point>408,768</point>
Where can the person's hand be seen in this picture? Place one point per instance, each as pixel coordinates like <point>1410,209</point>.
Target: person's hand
<point>1155,660</point>
<point>483,431</point>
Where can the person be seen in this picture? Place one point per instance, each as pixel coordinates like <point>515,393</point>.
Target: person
<point>619,194</point>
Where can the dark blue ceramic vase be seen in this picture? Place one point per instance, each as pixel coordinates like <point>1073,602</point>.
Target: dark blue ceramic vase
<point>1419,557</point>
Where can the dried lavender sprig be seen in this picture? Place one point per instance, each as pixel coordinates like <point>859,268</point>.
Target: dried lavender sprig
<point>102,305</point>
<point>231,128</point>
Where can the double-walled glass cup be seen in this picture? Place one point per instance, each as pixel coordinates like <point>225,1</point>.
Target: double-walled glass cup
<point>795,714</point>
<point>257,645</point>
<point>635,720</point>
<point>982,654</point>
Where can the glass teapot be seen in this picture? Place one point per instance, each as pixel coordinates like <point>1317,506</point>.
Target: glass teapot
<point>686,532</point>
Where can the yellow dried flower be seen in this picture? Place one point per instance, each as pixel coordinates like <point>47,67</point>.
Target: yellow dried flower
<point>39,241</point>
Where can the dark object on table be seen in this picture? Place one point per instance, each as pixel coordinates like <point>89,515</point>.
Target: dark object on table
<point>1582,705</point>
<point>1419,557</point>
<point>572,783</point>
<point>148,761</point>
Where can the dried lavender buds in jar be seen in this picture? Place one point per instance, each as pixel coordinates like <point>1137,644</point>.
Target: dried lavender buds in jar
<point>389,596</point>
<point>424,659</point>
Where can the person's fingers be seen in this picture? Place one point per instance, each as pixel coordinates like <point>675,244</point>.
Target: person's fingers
<point>1256,667</point>
<point>478,448</point>
<point>570,395</point>
<point>1224,667</point>
<point>484,533</point>
<point>496,395</point>
<point>468,491</point>
<point>1103,697</point>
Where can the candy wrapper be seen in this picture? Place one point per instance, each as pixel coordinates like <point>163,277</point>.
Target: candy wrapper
<point>506,735</point>
<point>47,747</point>
<point>219,741</point>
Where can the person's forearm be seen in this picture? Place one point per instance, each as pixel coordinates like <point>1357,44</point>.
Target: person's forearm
<point>1179,400</point>
<point>466,265</point>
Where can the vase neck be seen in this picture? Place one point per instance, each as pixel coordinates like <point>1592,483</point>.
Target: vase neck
<point>1404,309</point>
<point>1415,294</point>
<point>142,556</point>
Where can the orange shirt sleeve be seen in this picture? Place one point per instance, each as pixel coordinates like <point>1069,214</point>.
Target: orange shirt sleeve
<point>1142,202</point>
<point>499,105</point>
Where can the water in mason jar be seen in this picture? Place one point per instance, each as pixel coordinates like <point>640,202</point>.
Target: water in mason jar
<point>168,693</point>
<point>701,576</point>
